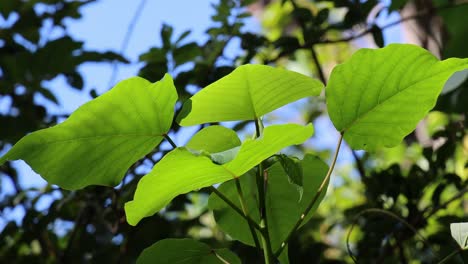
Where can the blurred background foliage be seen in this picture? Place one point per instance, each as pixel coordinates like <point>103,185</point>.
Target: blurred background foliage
<point>397,202</point>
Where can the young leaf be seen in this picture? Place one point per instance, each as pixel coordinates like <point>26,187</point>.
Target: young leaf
<point>102,138</point>
<point>460,234</point>
<point>171,251</point>
<point>283,208</point>
<point>214,139</point>
<point>293,169</point>
<point>247,93</point>
<point>180,171</point>
<point>378,96</point>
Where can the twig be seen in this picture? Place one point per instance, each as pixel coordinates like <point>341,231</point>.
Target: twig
<point>434,210</point>
<point>126,39</point>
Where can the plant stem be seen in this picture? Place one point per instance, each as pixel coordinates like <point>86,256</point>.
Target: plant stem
<point>314,199</point>
<point>169,139</point>
<point>262,183</point>
<point>246,214</point>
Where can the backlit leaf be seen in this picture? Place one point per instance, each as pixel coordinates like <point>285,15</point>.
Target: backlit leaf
<point>102,138</point>
<point>460,234</point>
<point>282,201</point>
<point>180,171</point>
<point>378,96</point>
<point>247,93</point>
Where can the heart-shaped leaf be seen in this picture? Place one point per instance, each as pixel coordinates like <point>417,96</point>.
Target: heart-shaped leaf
<point>180,171</point>
<point>378,96</point>
<point>247,93</point>
<point>171,251</point>
<point>102,138</point>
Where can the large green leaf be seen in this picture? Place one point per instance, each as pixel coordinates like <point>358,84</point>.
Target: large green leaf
<point>181,171</point>
<point>247,93</point>
<point>102,138</point>
<point>283,204</point>
<point>172,251</point>
<point>378,96</point>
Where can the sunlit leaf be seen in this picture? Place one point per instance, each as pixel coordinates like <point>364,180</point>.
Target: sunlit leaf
<point>102,138</point>
<point>247,93</point>
<point>378,96</point>
<point>214,139</point>
<point>181,171</point>
<point>460,234</point>
<point>282,201</point>
<point>171,251</point>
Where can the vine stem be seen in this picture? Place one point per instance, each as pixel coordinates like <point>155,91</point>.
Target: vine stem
<point>242,212</point>
<point>314,199</point>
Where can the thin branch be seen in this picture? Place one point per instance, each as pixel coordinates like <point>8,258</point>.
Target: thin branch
<point>126,40</point>
<point>449,256</point>
<point>314,199</point>
<point>169,139</point>
<point>321,74</point>
<point>390,214</point>
<point>432,210</point>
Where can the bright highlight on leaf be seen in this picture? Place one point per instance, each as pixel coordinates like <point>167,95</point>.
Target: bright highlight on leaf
<point>102,138</point>
<point>180,171</point>
<point>378,96</point>
<point>247,93</point>
<point>460,234</point>
<point>172,251</point>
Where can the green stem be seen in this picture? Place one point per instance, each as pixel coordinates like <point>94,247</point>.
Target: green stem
<point>314,199</point>
<point>262,183</point>
<point>244,209</point>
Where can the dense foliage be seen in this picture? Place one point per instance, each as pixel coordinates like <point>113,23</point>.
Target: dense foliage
<point>399,210</point>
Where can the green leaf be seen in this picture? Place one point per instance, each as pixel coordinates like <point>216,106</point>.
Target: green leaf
<point>171,251</point>
<point>180,171</point>
<point>214,139</point>
<point>378,96</point>
<point>293,169</point>
<point>460,234</point>
<point>102,138</point>
<point>283,208</point>
<point>247,93</point>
